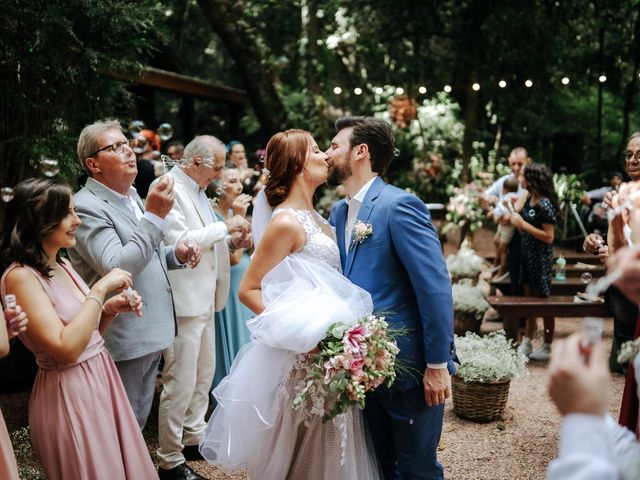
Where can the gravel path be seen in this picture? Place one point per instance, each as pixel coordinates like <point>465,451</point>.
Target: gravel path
<point>520,446</point>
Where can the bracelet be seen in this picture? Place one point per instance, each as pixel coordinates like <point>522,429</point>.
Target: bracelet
<point>93,297</point>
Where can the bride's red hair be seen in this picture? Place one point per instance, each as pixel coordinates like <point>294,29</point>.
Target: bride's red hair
<point>286,156</point>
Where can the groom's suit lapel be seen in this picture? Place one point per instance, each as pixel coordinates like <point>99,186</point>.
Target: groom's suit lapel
<point>341,218</point>
<point>363,215</point>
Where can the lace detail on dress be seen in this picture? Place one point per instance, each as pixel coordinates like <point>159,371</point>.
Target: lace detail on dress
<point>318,244</point>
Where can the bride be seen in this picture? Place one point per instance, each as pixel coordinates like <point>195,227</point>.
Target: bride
<point>295,285</point>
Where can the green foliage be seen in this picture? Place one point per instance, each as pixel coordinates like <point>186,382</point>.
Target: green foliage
<point>57,68</point>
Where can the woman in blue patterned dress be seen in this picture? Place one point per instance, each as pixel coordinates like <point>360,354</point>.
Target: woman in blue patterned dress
<point>535,222</point>
<point>231,331</point>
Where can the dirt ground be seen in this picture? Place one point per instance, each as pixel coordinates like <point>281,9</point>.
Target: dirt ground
<point>520,446</point>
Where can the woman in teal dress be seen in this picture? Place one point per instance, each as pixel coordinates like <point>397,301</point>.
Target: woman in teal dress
<point>231,330</point>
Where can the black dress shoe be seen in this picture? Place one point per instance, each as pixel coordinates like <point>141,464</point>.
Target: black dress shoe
<point>181,472</point>
<point>192,452</point>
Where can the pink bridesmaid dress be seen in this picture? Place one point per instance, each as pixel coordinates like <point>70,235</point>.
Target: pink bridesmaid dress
<point>82,426</point>
<point>8,467</point>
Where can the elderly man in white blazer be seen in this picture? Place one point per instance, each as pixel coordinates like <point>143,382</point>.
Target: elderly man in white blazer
<point>198,292</point>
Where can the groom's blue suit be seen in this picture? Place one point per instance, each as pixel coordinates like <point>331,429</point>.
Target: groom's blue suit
<point>401,265</point>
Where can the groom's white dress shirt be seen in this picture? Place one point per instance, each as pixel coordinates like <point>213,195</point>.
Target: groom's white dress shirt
<point>354,204</point>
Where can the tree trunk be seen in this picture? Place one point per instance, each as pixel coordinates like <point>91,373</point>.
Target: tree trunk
<point>632,87</point>
<point>226,17</point>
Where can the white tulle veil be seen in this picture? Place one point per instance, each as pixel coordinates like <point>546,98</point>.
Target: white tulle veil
<point>261,217</point>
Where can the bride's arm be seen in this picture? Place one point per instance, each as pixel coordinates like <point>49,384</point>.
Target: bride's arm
<point>283,236</point>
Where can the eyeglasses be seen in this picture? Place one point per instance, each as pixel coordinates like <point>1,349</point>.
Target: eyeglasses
<point>629,155</point>
<point>117,147</point>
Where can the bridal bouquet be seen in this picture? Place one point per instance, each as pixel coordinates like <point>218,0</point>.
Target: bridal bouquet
<point>350,361</point>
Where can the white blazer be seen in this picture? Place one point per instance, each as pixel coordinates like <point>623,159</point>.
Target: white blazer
<point>196,289</point>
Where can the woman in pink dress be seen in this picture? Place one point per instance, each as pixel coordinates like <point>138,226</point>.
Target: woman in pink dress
<point>82,426</point>
<point>16,322</point>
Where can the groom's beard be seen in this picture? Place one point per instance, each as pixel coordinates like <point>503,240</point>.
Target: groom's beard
<point>338,174</point>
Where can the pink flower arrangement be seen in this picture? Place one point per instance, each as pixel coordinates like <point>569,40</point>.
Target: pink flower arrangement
<point>349,362</point>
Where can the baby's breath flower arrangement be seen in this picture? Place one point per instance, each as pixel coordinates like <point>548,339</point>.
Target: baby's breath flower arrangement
<point>489,359</point>
<point>628,351</point>
<point>464,264</point>
<point>469,306</point>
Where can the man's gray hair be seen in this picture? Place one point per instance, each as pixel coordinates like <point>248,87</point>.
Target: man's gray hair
<point>203,146</point>
<point>88,141</point>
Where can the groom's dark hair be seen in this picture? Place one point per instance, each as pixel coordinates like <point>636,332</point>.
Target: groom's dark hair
<point>376,134</point>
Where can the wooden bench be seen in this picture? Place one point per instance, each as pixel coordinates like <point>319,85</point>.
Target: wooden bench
<point>570,286</point>
<point>570,257</point>
<point>511,309</point>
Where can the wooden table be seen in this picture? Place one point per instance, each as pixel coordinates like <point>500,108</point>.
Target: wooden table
<point>511,309</point>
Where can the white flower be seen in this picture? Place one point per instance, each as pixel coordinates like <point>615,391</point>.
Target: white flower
<point>361,231</point>
<point>467,298</point>
<point>464,264</point>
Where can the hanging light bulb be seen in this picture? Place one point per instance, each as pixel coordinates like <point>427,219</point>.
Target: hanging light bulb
<point>422,90</point>
<point>502,84</point>
<point>475,87</point>
<point>447,88</point>
<point>378,90</point>
<point>399,90</point>
<point>602,78</point>
<point>337,90</point>
<point>565,80</point>
<point>528,83</point>
<point>357,91</point>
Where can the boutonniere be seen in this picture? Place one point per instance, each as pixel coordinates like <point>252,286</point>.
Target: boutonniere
<point>361,231</point>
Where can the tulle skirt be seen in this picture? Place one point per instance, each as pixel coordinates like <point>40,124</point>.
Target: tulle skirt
<point>254,425</point>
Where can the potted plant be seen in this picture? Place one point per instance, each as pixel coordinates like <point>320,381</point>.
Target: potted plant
<point>480,387</point>
<point>464,264</point>
<point>469,306</point>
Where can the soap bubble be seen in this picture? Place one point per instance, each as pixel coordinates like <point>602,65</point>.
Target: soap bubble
<point>165,132</point>
<point>586,278</point>
<point>135,127</point>
<point>140,144</point>
<point>49,166</point>
<point>6,194</point>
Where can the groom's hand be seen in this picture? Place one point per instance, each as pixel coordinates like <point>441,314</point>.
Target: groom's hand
<point>437,385</point>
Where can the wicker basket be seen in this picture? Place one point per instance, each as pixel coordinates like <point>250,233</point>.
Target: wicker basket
<point>464,322</point>
<point>478,401</point>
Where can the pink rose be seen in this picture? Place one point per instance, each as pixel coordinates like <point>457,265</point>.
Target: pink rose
<point>354,339</point>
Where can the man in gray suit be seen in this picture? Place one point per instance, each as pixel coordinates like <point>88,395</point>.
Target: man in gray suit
<point>118,231</point>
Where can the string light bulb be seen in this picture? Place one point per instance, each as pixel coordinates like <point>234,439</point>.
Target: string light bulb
<point>357,91</point>
<point>422,90</point>
<point>602,78</point>
<point>447,88</point>
<point>337,90</point>
<point>378,90</point>
<point>528,83</point>
<point>475,87</point>
<point>502,84</point>
<point>399,90</point>
<point>565,80</point>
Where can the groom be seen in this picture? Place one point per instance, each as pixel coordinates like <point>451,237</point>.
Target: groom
<point>399,262</point>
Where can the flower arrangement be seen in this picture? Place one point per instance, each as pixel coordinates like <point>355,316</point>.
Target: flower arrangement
<point>464,264</point>
<point>469,307</point>
<point>568,188</point>
<point>361,231</point>
<point>628,351</point>
<point>490,358</point>
<point>463,209</point>
<point>402,110</point>
<point>350,361</point>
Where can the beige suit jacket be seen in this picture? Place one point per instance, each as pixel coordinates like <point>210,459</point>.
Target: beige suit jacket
<point>196,289</point>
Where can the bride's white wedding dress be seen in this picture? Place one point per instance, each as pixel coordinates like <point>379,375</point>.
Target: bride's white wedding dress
<point>254,425</point>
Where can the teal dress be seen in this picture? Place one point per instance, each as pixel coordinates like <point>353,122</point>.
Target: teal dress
<point>231,330</point>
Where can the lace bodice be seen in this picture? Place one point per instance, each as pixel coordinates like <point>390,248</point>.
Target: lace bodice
<point>318,244</point>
